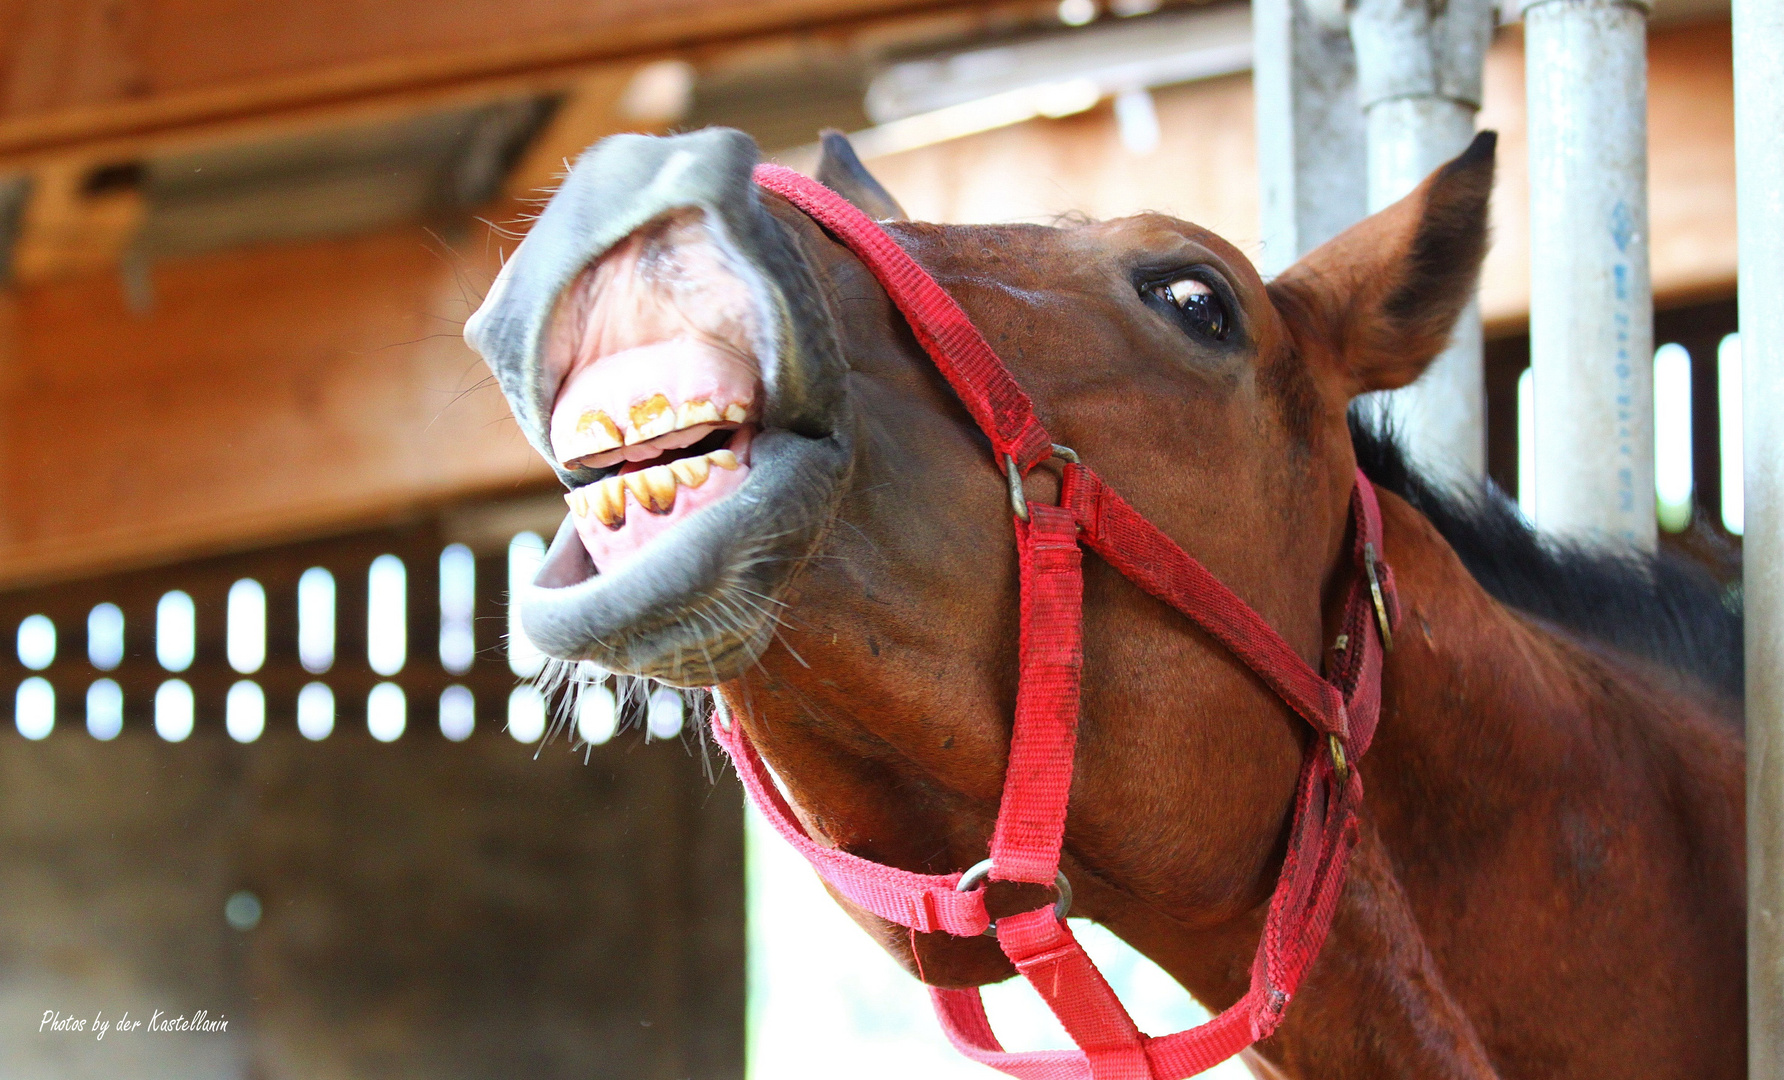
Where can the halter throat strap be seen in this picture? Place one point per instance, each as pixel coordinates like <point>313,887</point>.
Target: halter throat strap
<point>1341,706</point>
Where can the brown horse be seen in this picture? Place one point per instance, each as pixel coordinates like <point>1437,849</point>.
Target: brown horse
<point>774,492</point>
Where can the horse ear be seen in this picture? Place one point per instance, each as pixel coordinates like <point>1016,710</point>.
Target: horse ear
<point>1383,295</point>
<point>842,172</point>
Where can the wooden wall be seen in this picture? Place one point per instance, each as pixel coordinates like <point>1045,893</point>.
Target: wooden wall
<point>432,910</point>
<point>75,72</point>
<point>267,393</point>
<point>1205,170</point>
<point>301,389</point>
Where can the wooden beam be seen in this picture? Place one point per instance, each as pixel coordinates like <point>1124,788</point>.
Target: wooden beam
<point>591,110</point>
<point>72,74</point>
<point>72,225</point>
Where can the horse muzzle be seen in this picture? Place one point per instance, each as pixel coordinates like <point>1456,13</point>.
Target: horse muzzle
<point>664,343</point>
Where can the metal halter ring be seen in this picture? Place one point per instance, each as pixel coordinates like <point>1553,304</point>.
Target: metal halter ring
<point>1013,475</point>
<point>978,872</point>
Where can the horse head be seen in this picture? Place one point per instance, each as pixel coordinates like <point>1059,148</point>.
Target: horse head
<point>773,492</point>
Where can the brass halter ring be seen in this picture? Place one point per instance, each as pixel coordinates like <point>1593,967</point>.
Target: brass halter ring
<point>1381,607</point>
<point>978,872</point>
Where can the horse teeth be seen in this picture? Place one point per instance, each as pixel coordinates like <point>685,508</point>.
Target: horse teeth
<point>600,427</point>
<point>654,488</point>
<point>724,459</point>
<point>736,413</point>
<point>608,502</point>
<point>650,418</point>
<point>691,472</point>
<point>578,502</point>
<point>696,412</point>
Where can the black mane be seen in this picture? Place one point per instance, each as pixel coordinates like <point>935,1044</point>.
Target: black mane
<point>1662,607</point>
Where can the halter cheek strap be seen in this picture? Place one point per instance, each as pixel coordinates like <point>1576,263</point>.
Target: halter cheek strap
<point>1342,707</point>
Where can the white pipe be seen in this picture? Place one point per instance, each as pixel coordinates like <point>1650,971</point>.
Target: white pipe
<point>1759,176</point>
<point>1309,130</point>
<point>1591,305</point>
<point>1419,83</point>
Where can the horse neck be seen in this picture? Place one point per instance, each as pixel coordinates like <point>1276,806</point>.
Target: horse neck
<point>1482,705</point>
<point>1535,801</point>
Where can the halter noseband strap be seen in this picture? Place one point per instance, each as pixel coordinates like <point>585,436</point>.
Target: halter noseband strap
<point>1342,707</point>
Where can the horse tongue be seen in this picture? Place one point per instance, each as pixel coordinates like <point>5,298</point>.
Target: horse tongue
<point>603,402</point>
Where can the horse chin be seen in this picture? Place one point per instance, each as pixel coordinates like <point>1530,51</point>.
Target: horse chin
<point>951,963</point>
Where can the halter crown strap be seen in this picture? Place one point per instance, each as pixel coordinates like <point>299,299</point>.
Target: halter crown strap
<point>1030,830</point>
<point>979,378</point>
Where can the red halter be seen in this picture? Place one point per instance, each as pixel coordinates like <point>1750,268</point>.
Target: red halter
<point>1031,818</point>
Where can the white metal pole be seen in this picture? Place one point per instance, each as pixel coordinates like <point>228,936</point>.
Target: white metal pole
<point>1419,84</point>
<point>1309,130</point>
<point>1759,177</point>
<point>1591,305</point>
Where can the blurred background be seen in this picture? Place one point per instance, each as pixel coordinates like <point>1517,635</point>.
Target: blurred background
<point>275,751</point>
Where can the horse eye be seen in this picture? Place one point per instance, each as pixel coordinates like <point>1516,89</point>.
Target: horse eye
<point>1200,306</point>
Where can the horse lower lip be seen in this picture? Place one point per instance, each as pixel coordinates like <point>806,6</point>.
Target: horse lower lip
<point>674,616</point>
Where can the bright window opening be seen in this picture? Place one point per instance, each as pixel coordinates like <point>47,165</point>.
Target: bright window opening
<point>458,713</point>
<point>37,642</point>
<point>1672,437</point>
<point>105,710</point>
<point>246,642</point>
<point>1527,443</point>
<point>664,713</point>
<point>1136,121</point>
<point>825,1001</point>
<point>176,627</point>
<point>386,615</point>
<point>315,712</point>
<point>1728,406</point>
<point>386,712</point>
<point>244,711</point>
<point>526,714</point>
<point>316,621</point>
<point>458,603</point>
<point>597,714</point>
<point>34,708</point>
<point>173,709</point>
<point>526,553</point>
<point>105,636</point>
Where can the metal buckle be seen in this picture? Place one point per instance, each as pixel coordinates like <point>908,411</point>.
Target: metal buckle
<point>1019,500</point>
<point>1381,607</point>
<point>1340,764</point>
<point>978,872</point>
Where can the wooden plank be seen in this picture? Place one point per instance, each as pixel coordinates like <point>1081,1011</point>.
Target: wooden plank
<point>71,73</point>
<point>273,392</point>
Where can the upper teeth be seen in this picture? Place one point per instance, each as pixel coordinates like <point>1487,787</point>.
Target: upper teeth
<point>652,488</point>
<point>697,412</point>
<point>652,417</point>
<point>649,419</point>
